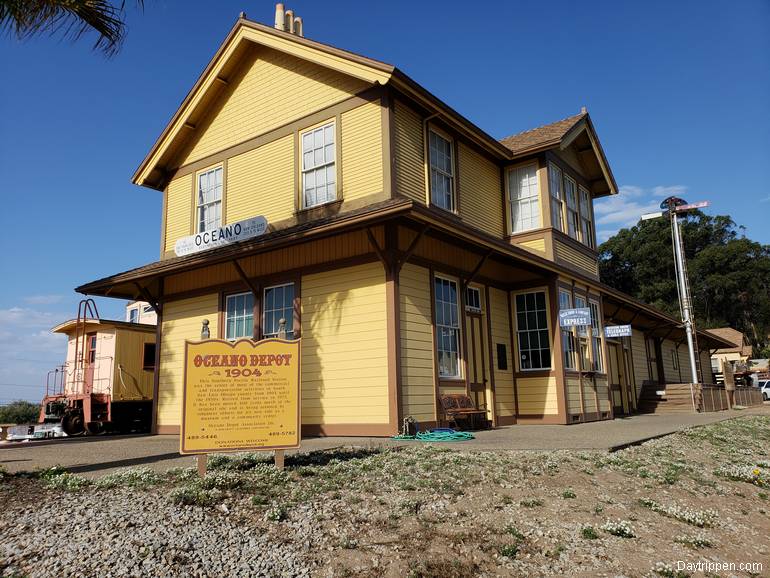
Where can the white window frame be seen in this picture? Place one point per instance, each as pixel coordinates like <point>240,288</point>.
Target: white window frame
<point>266,310</point>
<point>597,362</point>
<point>586,218</point>
<point>469,306</point>
<point>452,328</point>
<point>555,186</point>
<point>214,204</point>
<point>573,216</point>
<point>245,315</point>
<point>436,172</point>
<point>311,166</point>
<point>583,345</point>
<point>568,345</point>
<point>133,312</point>
<point>518,202</point>
<point>533,332</point>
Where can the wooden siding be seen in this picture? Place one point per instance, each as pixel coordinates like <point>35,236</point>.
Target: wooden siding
<point>567,255</point>
<point>573,395</point>
<point>603,393</point>
<point>501,333</point>
<point>181,321</point>
<point>705,361</point>
<point>361,158</point>
<point>417,369</point>
<point>272,89</point>
<point>589,396</point>
<point>533,245</point>
<point>261,182</point>
<point>131,381</point>
<point>344,346</point>
<point>409,150</point>
<point>321,251</point>
<point>537,396</point>
<point>480,192</point>
<point>179,198</point>
<point>668,351</point>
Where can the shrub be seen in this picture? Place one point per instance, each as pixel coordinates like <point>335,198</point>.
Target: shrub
<point>533,503</point>
<point>588,533</point>
<point>509,550</point>
<point>136,477</point>
<point>19,412</point>
<point>195,495</point>
<point>619,528</point>
<point>698,540</point>
<point>701,519</point>
<point>568,494</point>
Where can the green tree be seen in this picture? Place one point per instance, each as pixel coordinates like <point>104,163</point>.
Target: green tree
<point>729,273</point>
<point>19,412</point>
<point>71,18</point>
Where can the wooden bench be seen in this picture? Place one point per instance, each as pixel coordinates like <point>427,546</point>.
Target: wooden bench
<point>458,407</point>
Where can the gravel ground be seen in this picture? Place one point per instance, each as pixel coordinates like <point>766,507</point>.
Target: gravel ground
<point>422,511</point>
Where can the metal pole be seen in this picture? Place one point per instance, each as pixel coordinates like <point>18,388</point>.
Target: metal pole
<point>685,296</point>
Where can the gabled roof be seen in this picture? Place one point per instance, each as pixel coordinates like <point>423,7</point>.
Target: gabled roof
<point>736,338</point>
<point>542,136</point>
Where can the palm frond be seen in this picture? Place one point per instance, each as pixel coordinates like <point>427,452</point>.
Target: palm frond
<point>71,18</point>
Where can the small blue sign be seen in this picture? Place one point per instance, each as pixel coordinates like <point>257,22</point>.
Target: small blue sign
<point>611,331</point>
<point>578,317</point>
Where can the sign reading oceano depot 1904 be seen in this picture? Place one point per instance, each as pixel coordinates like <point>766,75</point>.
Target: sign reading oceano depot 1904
<point>220,236</point>
<point>241,396</point>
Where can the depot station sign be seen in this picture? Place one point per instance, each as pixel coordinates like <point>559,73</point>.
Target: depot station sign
<point>221,236</point>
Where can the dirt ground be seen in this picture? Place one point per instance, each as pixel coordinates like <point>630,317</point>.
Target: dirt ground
<point>693,503</point>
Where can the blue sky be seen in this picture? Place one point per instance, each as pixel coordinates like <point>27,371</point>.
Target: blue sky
<point>679,93</point>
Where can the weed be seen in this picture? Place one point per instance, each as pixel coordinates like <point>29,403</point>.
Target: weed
<point>699,540</point>
<point>568,494</point>
<point>532,503</point>
<point>195,495</point>
<point>667,571</point>
<point>701,519</point>
<point>509,550</point>
<point>588,533</point>
<point>513,531</point>
<point>134,477</point>
<point>277,513</point>
<point>619,528</point>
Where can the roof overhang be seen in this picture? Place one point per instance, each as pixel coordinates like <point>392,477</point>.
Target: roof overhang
<point>96,324</point>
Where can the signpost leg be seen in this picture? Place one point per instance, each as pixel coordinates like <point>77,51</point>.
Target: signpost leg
<point>202,461</point>
<point>279,459</point>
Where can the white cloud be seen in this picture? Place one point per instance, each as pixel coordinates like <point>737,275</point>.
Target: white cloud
<point>23,316</point>
<point>624,209</point>
<point>765,200</point>
<point>43,299</point>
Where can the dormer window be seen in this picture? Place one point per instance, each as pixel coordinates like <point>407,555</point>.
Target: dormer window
<point>557,198</point>
<point>209,198</point>
<point>441,172</point>
<point>319,175</point>
<point>523,198</point>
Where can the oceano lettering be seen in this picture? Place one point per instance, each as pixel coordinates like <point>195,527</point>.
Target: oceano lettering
<point>235,360</point>
<point>223,233</point>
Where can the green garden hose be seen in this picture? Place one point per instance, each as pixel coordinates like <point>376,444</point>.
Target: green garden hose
<point>437,436</point>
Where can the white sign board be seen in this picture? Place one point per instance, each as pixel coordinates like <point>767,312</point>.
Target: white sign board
<point>611,331</point>
<point>580,316</point>
<point>221,236</point>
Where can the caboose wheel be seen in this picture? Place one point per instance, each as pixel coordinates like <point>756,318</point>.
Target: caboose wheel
<point>95,428</point>
<point>72,423</point>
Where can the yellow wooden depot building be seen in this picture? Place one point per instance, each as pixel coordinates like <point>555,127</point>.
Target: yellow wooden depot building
<point>413,253</point>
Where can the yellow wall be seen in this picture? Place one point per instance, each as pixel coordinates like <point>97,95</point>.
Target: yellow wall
<point>573,395</point>
<point>181,321</point>
<point>498,315</point>
<point>261,182</point>
<point>273,89</point>
<point>480,191</point>
<point>566,254</point>
<point>537,395</point>
<point>361,130</point>
<point>417,369</point>
<point>344,346</point>
<point>410,153</point>
<point>134,382</point>
<point>179,199</point>
<point>603,393</point>
<point>533,245</point>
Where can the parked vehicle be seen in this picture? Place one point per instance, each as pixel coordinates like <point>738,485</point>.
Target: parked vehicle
<point>764,387</point>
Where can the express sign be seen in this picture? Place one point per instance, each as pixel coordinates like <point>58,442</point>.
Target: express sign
<point>580,316</point>
<point>221,236</point>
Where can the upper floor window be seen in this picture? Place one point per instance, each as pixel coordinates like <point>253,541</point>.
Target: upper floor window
<point>524,198</point>
<point>473,300</point>
<point>557,199</point>
<point>319,176</point>
<point>587,228</point>
<point>239,316</point>
<point>441,172</point>
<point>567,334</point>
<point>532,331</point>
<point>573,219</point>
<point>447,328</point>
<point>209,199</point>
<point>278,304</point>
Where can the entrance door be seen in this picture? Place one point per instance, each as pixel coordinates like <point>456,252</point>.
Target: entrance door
<point>477,370</point>
<point>90,364</point>
<point>617,381</point>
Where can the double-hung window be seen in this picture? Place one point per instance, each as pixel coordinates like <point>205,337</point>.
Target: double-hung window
<point>319,177</point>
<point>209,199</point>
<point>532,331</point>
<point>596,336</point>
<point>278,304</point>
<point>573,219</point>
<point>447,328</point>
<point>239,316</point>
<point>585,217</point>
<point>585,360</point>
<point>557,199</point>
<point>567,334</point>
<point>524,198</point>
<point>473,300</point>
<point>441,172</point>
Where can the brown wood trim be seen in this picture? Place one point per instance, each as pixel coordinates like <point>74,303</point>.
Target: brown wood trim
<point>505,420</point>
<point>346,429</point>
<point>393,308</point>
<point>454,272</point>
<point>363,97</point>
<point>514,352</point>
<point>558,360</point>
<point>461,287</point>
<point>436,378</point>
<point>167,430</point>
<point>492,366</point>
<point>386,130</point>
<point>535,373</point>
<point>539,419</point>
<point>156,374</point>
